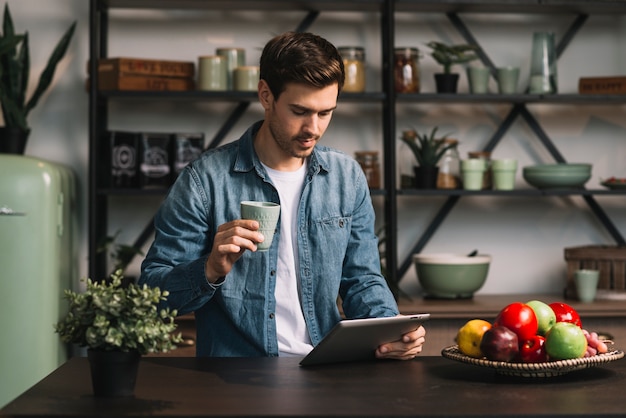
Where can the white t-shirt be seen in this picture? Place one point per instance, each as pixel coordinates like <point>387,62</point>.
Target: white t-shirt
<point>293,337</point>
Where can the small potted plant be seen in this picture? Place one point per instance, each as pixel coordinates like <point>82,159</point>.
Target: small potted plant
<point>428,150</point>
<point>447,56</point>
<point>120,254</point>
<point>14,77</point>
<point>118,324</point>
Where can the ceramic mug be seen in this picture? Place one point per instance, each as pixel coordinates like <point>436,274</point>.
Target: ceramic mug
<point>586,284</point>
<point>267,214</point>
<point>508,79</point>
<point>478,78</point>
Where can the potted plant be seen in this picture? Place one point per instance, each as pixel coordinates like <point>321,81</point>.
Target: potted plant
<point>120,254</point>
<point>14,76</point>
<point>117,324</point>
<point>447,56</point>
<point>428,150</point>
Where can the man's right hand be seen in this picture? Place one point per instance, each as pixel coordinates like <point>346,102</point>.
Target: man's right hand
<point>229,244</point>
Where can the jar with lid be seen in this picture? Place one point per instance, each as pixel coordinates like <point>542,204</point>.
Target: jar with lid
<point>354,67</point>
<point>449,176</point>
<point>368,160</point>
<point>406,70</point>
<point>485,155</point>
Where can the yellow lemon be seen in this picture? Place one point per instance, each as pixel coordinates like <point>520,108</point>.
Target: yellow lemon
<point>469,336</point>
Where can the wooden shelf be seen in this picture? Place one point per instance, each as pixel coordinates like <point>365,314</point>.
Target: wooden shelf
<point>488,306</point>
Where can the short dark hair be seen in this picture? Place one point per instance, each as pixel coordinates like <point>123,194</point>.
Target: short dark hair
<point>300,57</point>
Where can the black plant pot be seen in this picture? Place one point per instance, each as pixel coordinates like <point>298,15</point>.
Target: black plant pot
<point>113,373</point>
<point>426,177</point>
<point>446,82</point>
<point>13,140</point>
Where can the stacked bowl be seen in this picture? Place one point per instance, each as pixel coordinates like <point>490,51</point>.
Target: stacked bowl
<point>561,175</point>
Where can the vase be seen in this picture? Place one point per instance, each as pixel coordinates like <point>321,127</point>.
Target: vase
<point>426,177</point>
<point>446,82</point>
<point>543,77</point>
<point>13,140</point>
<point>113,373</point>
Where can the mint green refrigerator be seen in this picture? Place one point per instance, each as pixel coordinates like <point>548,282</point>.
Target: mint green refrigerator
<point>37,262</point>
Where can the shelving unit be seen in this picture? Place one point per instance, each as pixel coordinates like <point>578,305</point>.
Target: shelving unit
<point>387,98</point>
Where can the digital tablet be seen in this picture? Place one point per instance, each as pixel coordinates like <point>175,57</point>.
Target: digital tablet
<point>357,339</point>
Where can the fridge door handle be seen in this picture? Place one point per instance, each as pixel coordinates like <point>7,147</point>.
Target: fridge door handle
<point>6,211</point>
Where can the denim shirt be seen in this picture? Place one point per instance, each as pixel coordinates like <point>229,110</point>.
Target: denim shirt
<point>337,250</point>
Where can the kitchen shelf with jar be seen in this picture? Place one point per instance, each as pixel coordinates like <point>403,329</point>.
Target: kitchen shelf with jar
<point>386,97</point>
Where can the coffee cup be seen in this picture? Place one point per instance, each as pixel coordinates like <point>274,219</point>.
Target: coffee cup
<point>266,214</point>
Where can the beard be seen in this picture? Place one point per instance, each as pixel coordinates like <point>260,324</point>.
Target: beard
<point>297,146</point>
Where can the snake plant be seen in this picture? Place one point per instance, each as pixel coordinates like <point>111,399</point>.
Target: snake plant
<point>15,72</point>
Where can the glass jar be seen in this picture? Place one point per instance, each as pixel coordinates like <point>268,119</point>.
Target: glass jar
<point>406,70</point>
<point>485,155</point>
<point>368,160</point>
<point>449,176</point>
<point>354,67</point>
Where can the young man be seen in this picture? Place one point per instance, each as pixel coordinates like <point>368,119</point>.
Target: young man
<point>283,301</point>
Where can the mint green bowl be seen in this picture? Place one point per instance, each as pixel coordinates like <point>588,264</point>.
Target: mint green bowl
<point>451,276</point>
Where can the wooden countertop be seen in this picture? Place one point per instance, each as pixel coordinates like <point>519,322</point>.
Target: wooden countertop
<point>488,306</point>
<point>262,387</point>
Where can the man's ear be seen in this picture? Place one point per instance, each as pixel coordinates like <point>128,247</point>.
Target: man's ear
<point>265,94</point>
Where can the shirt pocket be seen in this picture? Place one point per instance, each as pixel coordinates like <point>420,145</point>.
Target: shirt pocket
<point>329,238</point>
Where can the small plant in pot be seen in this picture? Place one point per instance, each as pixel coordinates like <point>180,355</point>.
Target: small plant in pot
<point>14,77</point>
<point>447,56</point>
<point>428,150</point>
<point>118,324</point>
<point>121,254</point>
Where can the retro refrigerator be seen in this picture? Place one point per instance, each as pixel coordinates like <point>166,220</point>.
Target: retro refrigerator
<point>37,263</point>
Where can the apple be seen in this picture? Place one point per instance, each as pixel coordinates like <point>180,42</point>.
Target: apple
<point>545,316</point>
<point>519,318</point>
<point>470,335</point>
<point>565,340</point>
<point>534,350</point>
<point>500,344</point>
<point>565,313</point>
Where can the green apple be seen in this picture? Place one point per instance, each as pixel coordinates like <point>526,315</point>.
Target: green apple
<point>565,341</point>
<point>546,317</point>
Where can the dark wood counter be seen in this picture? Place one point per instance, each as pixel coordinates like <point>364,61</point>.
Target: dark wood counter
<point>254,387</point>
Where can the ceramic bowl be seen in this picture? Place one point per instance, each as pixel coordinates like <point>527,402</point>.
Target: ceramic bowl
<point>559,168</point>
<point>556,179</point>
<point>451,276</point>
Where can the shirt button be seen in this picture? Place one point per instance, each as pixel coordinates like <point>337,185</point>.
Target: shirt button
<point>273,273</point>
<point>341,223</point>
<point>272,315</point>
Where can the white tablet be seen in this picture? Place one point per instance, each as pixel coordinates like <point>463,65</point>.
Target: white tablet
<point>357,339</point>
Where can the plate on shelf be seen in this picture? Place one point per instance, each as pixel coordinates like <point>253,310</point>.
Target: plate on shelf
<point>545,369</point>
<point>614,183</point>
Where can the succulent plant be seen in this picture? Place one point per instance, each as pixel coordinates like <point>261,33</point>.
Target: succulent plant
<point>111,317</point>
<point>427,148</point>
<point>15,72</point>
<point>449,55</point>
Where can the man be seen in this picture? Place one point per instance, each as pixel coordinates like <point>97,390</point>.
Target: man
<point>280,302</point>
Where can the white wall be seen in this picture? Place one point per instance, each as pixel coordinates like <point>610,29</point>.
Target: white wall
<point>525,236</point>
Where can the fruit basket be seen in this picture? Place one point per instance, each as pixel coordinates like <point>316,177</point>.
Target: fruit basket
<point>545,369</point>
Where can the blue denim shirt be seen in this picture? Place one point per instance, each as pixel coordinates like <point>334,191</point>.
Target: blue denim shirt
<point>337,250</point>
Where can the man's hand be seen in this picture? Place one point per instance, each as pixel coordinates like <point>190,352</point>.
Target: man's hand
<point>406,348</point>
<point>230,242</point>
